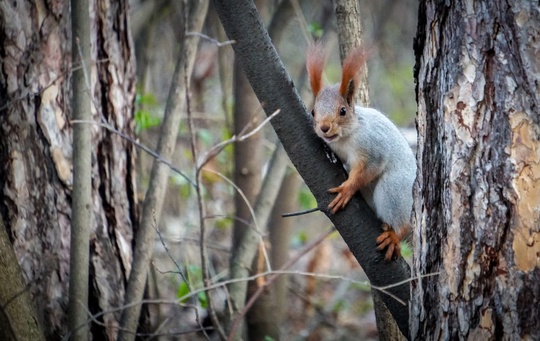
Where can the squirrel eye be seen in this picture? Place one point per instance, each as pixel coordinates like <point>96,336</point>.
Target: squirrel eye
<point>313,113</point>
<point>342,111</point>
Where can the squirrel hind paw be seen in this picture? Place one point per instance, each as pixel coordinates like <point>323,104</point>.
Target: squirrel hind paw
<point>389,240</point>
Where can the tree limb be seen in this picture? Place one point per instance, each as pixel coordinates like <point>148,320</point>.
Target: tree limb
<point>356,223</point>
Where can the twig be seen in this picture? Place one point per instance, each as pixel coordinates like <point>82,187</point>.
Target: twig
<point>272,278</point>
<point>251,211</point>
<point>180,272</point>
<point>294,214</point>
<point>138,145</point>
<point>201,209</point>
<point>215,150</point>
<point>216,42</point>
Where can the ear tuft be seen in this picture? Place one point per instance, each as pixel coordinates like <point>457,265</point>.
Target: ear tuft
<point>315,60</point>
<point>352,65</point>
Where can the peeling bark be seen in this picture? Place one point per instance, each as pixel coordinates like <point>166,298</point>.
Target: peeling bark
<point>35,146</point>
<point>477,201</point>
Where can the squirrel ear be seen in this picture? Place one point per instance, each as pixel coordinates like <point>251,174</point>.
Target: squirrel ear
<point>315,59</point>
<point>351,74</point>
<point>351,92</point>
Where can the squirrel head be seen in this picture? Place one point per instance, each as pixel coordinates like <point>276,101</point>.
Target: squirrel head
<point>333,112</point>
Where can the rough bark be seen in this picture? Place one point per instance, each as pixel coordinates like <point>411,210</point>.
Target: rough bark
<point>272,85</point>
<point>477,205</point>
<point>18,316</point>
<point>35,144</point>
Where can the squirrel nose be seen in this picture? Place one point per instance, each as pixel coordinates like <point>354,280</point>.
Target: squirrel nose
<point>325,128</point>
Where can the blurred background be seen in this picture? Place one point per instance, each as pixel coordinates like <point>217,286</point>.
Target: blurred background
<point>305,307</point>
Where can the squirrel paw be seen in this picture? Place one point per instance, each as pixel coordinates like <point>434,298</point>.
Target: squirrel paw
<point>345,193</point>
<point>389,240</point>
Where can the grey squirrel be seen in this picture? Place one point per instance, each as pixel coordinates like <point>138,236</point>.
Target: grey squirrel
<point>380,163</point>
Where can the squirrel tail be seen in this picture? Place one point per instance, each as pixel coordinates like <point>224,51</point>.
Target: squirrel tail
<point>315,60</point>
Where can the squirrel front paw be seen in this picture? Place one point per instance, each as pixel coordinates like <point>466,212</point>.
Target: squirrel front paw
<point>389,240</point>
<point>345,193</point>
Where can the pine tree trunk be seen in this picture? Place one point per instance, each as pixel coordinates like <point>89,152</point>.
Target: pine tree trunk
<point>477,202</point>
<point>35,146</point>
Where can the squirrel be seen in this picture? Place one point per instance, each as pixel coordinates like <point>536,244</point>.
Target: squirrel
<point>380,163</point>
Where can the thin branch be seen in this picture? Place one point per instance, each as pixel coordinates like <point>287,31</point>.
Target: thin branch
<point>215,150</point>
<point>202,212</point>
<point>81,205</point>
<point>294,214</point>
<point>251,211</point>
<point>216,42</point>
<point>139,145</point>
<point>180,272</point>
<point>272,278</point>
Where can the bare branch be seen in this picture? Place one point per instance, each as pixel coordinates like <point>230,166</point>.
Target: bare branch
<point>216,42</point>
<point>139,145</point>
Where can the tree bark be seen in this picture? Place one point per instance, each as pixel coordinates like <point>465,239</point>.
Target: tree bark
<point>476,198</point>
<point>18,316</point>
<point>35,144</point>
<point>272,85</point>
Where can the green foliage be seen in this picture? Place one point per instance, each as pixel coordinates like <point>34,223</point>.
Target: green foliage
<point>193,275</point>
<point>268,338</point>
<point>223,223</point>
<point>144,118</point>
<point>406,250</point>
<point>316,30</point>
<point>306,199</point>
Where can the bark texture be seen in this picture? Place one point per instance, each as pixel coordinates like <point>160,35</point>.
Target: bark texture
<point>35,146</point>
<point>477,197</point>
<point>273,87</point>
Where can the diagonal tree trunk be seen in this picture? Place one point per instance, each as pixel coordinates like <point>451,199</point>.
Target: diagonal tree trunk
<point>35,144</point>
<point>272,85</point>
<point>477,205</point>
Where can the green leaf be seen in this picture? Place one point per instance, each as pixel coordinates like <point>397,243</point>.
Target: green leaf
<point>306,198</point>
<point>203,300</point>
<point>315,29</point>
<point>144,119</point>
<point>183,290</point>
<point>147,99</point>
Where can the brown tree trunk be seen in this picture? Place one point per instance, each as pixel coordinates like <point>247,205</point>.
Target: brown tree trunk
<point>35,146</point>
<point>477,203</point>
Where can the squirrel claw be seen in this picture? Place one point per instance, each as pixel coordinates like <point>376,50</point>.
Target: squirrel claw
<point>389,240</point>
<point>342,199</point>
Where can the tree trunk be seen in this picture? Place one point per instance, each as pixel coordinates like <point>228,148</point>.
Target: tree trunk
<point>35,144</point>
<point>273,87</point>
<point>476,198</point>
